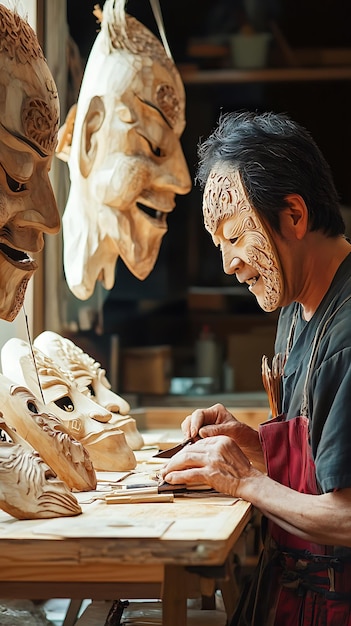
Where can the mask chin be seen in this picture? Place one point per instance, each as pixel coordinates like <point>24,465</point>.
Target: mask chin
<point>12,297</point>
<point>273,292</point>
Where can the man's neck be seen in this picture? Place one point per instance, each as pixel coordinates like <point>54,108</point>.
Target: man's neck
<point>321,266</point>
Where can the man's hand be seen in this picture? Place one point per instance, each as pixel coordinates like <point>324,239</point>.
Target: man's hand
<point>215,461</point>
<point>217,420</point>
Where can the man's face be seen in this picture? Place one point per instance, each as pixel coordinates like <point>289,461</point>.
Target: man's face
<point>129,168</point>
<point>246,243</point>
<point>28,131</point>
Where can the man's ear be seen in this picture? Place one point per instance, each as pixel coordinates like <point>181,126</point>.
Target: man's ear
<point>294,218</point>
<point>88,144</point>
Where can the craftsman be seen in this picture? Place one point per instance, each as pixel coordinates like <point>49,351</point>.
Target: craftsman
<point>271,207</point>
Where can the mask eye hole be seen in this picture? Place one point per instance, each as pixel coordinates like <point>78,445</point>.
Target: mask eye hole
<point>156,150</point>
<point>91,390</point>
<point>4,437</point>
<point>14,184</point>
<point>65,404</point>
<point>32,407</point>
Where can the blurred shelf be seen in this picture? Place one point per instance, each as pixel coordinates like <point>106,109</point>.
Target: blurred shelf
<point>237,290</point>
<point>265,75</point>
<point>235,399</point>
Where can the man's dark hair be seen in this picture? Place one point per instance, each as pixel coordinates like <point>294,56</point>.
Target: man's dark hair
<point>275,157</point>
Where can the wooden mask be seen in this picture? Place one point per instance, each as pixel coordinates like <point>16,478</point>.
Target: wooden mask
<point>29,114</point>
<point>91,380</point>
<point>126,162</point>
<point>83,418</point>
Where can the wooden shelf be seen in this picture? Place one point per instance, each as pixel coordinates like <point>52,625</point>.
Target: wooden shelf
<point>265,75</point>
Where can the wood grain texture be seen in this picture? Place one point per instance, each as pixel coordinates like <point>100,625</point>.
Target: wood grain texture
<point>196,534</point>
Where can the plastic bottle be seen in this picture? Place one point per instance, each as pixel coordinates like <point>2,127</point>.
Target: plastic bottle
<point>207,356</point>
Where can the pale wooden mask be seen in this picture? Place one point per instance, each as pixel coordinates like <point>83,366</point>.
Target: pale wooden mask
<point>83,418</point>
<point>29,114</point>
<point>47,435</point>
<point>29,489</point>
<point>126,162</point>
<point>91,380</point>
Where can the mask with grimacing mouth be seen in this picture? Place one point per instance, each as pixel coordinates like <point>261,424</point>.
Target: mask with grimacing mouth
<point>125,159</point>
<point>29,114</point>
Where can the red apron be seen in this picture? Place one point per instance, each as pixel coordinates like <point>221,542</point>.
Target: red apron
<point>297,583</point>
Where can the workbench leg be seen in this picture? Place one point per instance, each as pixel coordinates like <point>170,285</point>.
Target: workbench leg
<point>229,587</point>
<point>72,612</point>
<point>174,596</point>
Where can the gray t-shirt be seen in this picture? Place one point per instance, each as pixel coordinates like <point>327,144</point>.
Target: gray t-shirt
<point>328,336</point>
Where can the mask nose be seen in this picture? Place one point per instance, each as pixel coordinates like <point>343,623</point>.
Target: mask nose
<point>174,175</point>
<point>100,415</point>
<point>112,407</point>
<point>183,180</point>
<point>41,210</point>
<point>47,208</point>
<point>235,264</point>
<point>231,264</point>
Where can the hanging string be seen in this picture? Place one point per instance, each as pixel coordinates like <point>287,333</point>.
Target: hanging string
<point>32,352</point>
<point>156,9</point>
<point>314,352</point>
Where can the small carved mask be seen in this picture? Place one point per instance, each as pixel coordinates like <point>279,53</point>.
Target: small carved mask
<point>29,489</point>
<point>47,435</point>
<point>83,418</point>
<point>88,374</point>
<point>91,380</point>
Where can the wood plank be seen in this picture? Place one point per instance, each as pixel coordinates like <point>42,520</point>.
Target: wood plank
<point>200,534</point>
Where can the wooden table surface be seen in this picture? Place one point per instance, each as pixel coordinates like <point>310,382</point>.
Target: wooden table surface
<point>120,550</point>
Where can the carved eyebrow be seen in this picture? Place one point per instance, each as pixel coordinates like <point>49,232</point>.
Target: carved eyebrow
<point>29,143</point>
<point>153,106</point>
<point>18,389</point>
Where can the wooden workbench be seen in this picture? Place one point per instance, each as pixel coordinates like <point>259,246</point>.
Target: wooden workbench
<point>144,550</point>
<point>120,551</point>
